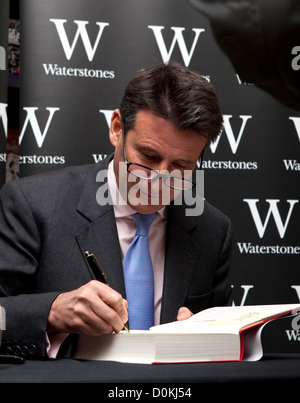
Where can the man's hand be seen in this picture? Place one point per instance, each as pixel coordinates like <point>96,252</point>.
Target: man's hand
<point>184,313</point>
<point>93,309</point>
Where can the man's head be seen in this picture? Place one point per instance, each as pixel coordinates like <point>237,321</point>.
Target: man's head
<point>177,94</point>
<point>168,115</point>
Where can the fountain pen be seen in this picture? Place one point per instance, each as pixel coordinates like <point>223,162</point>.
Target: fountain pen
<point>99,274</point>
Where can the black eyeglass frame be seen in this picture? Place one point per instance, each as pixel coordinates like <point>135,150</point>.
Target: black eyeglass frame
<point>157,174</point>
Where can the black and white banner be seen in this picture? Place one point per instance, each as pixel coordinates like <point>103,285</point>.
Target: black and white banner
<point>4,13</point>
<point>77,58</point>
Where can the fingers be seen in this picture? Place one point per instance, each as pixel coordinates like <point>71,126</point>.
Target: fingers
<point>109,308</point>
<point>184,313</point>
<point>93,309</point>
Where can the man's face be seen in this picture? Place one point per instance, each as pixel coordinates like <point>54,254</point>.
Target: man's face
<point>157,144</point>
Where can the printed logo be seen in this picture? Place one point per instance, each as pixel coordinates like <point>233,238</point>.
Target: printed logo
<point>39,135</point>
<point>246,289</point>
<point>273,210</point>
<point>107,114</point>
<point>82,33</point>
<point>297,289</point>
<point>296,121</point>
<point>69,46</point>
<point>291,165</point>
<point>3,116</point>
<point>177,38</point>
<point>261,226</point>
<point>234,142</point>
<point>32,120</point>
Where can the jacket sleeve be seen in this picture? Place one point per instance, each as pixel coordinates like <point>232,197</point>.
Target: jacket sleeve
<point>26,310</point>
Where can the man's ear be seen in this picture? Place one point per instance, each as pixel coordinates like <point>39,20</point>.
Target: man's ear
<point>115,129</point>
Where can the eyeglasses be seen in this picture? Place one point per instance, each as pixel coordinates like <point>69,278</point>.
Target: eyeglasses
<point>149,174</point>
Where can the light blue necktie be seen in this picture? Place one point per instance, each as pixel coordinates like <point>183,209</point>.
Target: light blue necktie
<point>138,274</point>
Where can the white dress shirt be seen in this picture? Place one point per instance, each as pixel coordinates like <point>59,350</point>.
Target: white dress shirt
<point>126,231</point>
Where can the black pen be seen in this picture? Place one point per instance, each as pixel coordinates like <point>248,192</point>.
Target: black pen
<point>99,273</point>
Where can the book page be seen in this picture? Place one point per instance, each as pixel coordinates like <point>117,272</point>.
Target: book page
<point>244,316</point>
<point>253,349</point>
<point>235,317</point>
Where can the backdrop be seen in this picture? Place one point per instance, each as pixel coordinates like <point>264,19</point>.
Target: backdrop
<point>4,13</point>
<point>76,59</point>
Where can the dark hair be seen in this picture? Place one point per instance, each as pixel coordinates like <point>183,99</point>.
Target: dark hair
<point>174,93</point>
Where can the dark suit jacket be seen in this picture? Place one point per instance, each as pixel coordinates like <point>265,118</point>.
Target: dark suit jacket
<point>48,221</point>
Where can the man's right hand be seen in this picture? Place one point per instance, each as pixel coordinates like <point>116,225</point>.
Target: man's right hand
<point>93,309</point>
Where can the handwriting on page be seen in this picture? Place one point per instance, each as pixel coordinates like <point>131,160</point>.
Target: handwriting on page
<point>241,318</point>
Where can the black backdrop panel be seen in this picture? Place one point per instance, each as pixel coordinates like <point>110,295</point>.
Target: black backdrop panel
<point>4,12</point>
<point>77,57</point>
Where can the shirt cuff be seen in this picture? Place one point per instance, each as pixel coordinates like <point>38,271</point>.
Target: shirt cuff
<point>54,342</point>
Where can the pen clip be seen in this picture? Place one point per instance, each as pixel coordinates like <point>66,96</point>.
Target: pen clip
<point>92,259</point>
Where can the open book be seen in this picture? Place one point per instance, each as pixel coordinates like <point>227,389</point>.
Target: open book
<point>215,334</point>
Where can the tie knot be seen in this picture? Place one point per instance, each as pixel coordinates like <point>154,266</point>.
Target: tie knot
<point>143,222</point>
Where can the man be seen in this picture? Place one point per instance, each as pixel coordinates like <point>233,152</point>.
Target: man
<point>168,115</point>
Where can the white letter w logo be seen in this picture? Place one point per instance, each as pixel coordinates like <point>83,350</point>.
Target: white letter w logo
<point>81,31</point>
<point>273,209</point>
<point>178,37</point>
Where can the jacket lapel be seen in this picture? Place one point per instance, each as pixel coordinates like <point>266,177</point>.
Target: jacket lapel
<point>180,262</point>
<point>100,235</point>
<point>101,239</point>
